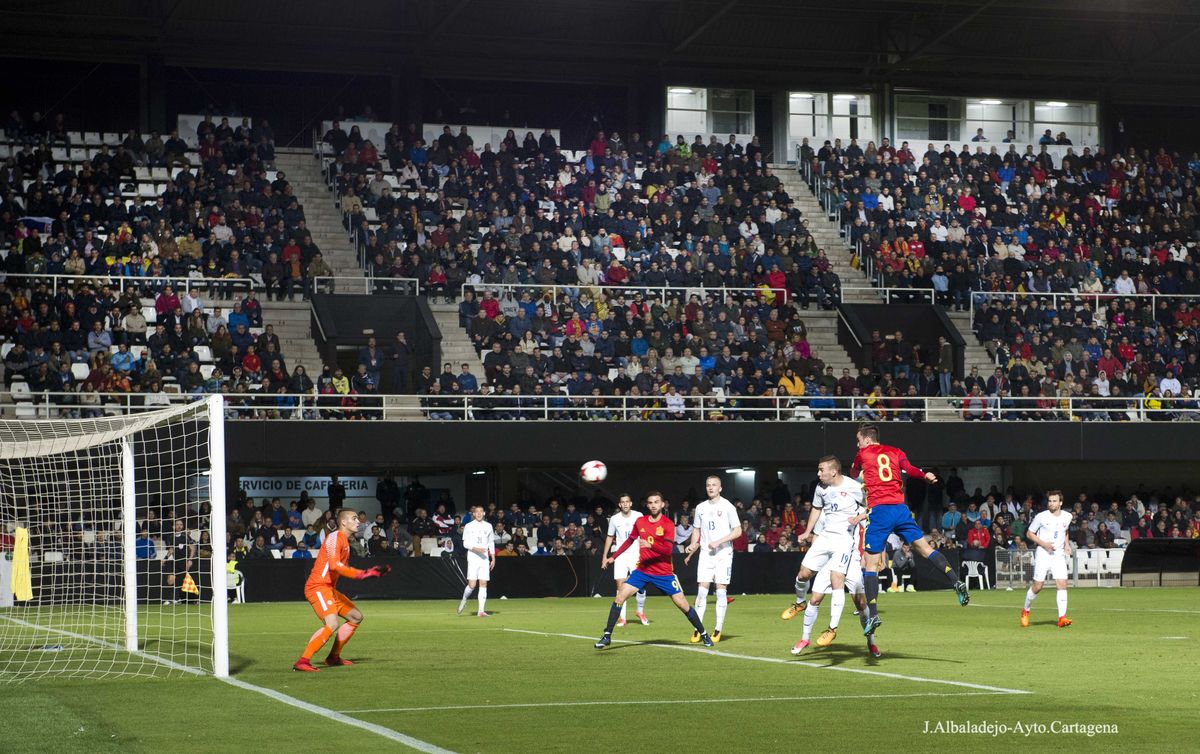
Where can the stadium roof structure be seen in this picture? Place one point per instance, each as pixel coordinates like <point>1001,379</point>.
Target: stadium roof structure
<point>1120,50</point>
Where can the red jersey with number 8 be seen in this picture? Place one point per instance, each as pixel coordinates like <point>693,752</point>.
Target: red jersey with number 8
<point>881,466</point>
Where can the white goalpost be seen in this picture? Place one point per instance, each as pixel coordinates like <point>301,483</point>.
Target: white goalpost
<point>112,545</point>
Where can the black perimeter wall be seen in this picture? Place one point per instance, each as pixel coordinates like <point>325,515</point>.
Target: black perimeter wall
<point>279,447</point>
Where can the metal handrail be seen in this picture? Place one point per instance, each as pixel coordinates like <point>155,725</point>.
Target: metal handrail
<point>496,407</point>
<point>656,291</point>
<point>1098,300</point>
<point>368,284</point>
<point>122,281</point>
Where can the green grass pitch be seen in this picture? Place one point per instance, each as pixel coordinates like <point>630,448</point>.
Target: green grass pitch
<point>470,684</point>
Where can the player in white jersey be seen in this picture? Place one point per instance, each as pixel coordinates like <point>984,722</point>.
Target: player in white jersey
<point>838,504</point>
<point>715,524</point>
<point>822,585</point>
<point>620,526</point>
<point>1048,531</point>
<point>481,558</point>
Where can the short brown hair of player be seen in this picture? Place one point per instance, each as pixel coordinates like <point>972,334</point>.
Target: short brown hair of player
<point>837,465</point>
<point>653,493</point>
<point>1050,493</point>
<point>869,431</point>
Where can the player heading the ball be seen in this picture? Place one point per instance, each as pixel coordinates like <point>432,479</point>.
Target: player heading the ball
<point>655,536</point>
<point>881,467</point>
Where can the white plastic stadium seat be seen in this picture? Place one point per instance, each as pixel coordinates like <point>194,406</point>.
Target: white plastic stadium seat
<point>976,570</point>
<point>206,370</point>
<point>80,371</point>
<point>150,314</point>
<point>204,353</point>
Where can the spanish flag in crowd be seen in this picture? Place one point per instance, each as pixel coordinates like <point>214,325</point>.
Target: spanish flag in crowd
<point>189,586</point>
<point>22,577</point>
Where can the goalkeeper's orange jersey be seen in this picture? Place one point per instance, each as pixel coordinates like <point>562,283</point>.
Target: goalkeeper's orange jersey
<point>331,563</point>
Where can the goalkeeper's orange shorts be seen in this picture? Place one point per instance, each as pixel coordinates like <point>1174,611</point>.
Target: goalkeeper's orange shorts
<point>326,601</point>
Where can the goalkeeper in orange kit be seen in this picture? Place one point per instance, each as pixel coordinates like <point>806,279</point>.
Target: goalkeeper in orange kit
<point>327,601</point>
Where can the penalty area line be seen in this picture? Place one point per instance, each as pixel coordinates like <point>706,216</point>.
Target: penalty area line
<point>634,702</point>
<point>379,730</point>
<point>781,661</point>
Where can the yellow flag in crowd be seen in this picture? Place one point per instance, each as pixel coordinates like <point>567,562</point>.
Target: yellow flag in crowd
<point>22,576</point>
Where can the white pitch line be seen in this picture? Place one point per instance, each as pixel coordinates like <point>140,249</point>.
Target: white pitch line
<point>1173,637</point>
<point>379,730</point>
<point>107,645</point>
<point>626,702</point>
<point>1147,610</point>
<point>781,661</point>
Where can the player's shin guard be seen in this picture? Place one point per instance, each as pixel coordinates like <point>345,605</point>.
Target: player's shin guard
<point>836,605</point>
<point>317,641</point>
<point>614,612</point>
<point>871,587</point>
<point>641,602</point>
<point>482,598</point>
<point>810,617</point>
<point>1030,596</point>
<point>343,635</point>
<point>701,601</point>
<point>939,561</point>
<point>1061,598</point>
<point>694,619</point>
<point>722,605</point>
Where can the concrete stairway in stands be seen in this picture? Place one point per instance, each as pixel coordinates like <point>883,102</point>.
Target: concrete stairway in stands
<point>827,234</point>
<point>976,354</point>
<point>321,214</point>
<point>291,321</point>
<point>456,346</point>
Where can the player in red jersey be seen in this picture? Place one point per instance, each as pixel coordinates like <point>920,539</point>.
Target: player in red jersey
<point>655,536</point>
<point>327,602</point>
<point>881,467</point>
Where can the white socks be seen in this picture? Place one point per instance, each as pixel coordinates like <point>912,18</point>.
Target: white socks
<point>1061,598</point>
<point>482,598</point>
<point>722,604</point>
<point>1030,596</point>
<point>623,604</point>
<point>838,598</point>
<point>466,596</point>
<point>810,617</point>
<point>641,602</point>
<point>701,600</point>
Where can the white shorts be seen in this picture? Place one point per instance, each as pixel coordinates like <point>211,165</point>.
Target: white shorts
<point>478,568</point>
<point>827,550</point>
<point>717,568</point>
<point>854,580</point>
<point>622,567</point>
<point>1055,564</point>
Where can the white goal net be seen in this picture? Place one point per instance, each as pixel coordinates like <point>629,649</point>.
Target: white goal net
<point>112,545</point>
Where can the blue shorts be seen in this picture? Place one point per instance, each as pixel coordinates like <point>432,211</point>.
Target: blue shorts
<point>882,520</point>
<point>668,585</point>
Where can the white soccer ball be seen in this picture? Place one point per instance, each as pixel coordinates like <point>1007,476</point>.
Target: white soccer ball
<point>593,472</point>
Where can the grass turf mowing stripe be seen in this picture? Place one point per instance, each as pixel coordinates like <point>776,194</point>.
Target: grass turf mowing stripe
<point>394,735</point>
<point>629,702</point>
<point>781,661</point>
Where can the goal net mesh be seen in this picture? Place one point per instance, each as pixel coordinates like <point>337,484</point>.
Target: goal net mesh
<point>106,552</point>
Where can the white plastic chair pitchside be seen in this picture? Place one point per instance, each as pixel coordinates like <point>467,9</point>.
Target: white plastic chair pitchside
<point>977,570</point>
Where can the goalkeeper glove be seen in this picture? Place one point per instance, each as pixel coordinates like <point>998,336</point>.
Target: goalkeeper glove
<point>375,572</point>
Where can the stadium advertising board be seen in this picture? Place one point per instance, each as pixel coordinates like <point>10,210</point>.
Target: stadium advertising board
<point>315,486</point>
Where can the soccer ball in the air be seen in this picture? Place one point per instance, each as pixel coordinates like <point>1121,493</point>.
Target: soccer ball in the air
<point>593,472</point>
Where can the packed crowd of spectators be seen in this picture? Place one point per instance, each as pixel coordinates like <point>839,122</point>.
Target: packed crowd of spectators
<point>1049,256</point>
<point>582,256</point>
<point>224,213</point>
<point>120,326</point>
